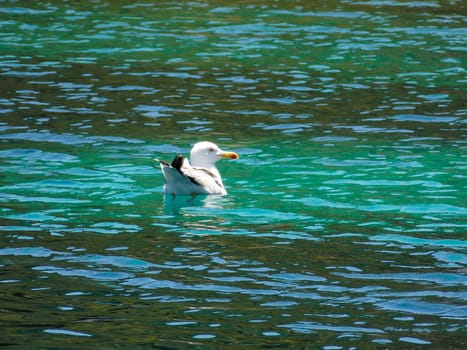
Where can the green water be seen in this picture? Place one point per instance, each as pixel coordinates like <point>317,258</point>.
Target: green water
<point>345,223</point>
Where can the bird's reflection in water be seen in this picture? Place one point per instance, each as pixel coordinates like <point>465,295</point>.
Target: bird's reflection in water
<point>196,214</point>
<point>178,205</point>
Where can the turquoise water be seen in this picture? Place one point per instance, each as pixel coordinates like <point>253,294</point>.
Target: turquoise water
<point>345,223</point>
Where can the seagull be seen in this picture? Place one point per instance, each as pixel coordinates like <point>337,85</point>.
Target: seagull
<point>198,175</point>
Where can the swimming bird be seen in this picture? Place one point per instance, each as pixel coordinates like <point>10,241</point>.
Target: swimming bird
<point>198,175</point>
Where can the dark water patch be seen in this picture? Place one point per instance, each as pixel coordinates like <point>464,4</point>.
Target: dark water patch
<point>345,217</point>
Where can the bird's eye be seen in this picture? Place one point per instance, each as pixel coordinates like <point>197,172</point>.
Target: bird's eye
<point>212,149</point>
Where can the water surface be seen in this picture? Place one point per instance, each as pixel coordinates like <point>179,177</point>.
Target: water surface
<point>345,222</point>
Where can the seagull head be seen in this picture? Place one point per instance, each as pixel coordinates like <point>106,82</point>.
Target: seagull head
<point>205,154</point>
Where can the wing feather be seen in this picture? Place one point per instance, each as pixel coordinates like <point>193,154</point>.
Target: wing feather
<point>183,179</point>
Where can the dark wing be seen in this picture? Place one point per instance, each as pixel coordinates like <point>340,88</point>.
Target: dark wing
<point>179,164</point>
<point>181,178</point>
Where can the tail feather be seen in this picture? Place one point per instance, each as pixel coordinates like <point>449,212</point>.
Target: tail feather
<point>161,161</point>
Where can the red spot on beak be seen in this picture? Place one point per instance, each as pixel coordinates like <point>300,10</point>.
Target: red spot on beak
<point>229,155</point>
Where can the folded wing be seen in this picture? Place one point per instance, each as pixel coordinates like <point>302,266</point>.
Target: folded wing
<point>183,179</point>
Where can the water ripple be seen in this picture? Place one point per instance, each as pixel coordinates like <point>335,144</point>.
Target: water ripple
<point>345,217</point>
<point>438,278</point>
<point>311,327</point>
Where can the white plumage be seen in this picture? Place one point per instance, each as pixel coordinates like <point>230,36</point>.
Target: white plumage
<point>198,175</point>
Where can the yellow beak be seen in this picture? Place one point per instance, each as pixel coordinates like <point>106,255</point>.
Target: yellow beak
<point>229,155</point>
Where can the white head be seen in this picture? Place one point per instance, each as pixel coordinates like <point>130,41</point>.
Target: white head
<point>205,154</point>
